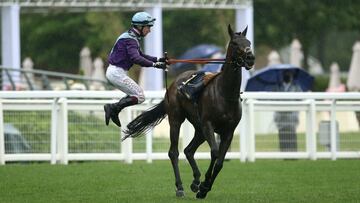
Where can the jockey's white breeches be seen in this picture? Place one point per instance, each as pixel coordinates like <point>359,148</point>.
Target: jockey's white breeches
<point>119,78</point>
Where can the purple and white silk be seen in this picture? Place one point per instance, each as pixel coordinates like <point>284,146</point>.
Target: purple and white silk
<point>119,78</point>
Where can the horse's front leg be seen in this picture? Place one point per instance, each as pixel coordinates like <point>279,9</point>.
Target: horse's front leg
<point>174,156</point>
<point>189,151</point>
<point>208,132</point>
<point>226,140</point>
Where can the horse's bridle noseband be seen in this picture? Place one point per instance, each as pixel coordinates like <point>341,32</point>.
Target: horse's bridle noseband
<point>241,61</point>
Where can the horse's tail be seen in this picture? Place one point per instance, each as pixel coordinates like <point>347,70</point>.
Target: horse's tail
<point>145,121</point>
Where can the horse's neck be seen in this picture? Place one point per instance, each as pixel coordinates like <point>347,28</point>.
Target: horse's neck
<point>231,81</point>
<point>231,78</point>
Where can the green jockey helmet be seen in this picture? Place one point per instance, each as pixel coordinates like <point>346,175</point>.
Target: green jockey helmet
<point>142,19</point>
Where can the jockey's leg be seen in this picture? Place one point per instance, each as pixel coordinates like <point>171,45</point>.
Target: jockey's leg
<point>112,110</point>
<point>135,94</point>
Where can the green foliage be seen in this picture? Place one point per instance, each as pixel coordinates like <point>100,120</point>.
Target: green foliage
<point>313,23</point>
<point>103,30</point>
<point>321,83</point>
<point>262,181</point>
<point>326,29</point>
<point>53,40</point>
<point>340,48</point>
<point>184,29</point>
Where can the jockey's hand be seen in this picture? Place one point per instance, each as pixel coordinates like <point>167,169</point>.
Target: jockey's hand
<point>160,65</point>
<point>163,59</point>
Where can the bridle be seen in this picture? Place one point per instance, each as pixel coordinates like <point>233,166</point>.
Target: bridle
<point>240,61</point>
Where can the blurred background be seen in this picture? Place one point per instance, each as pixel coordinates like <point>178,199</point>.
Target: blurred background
<point>64,45</point>
<point>324,30</point>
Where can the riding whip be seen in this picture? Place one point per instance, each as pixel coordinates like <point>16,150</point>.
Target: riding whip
<point>165,74</point>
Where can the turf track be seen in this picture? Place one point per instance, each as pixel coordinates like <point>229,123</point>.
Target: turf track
<point>262,181</point>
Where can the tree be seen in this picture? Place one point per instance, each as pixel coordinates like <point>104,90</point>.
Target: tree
<point>278,22</point>
<point>102,32</point>
<point>324,27</point>
<point>52,40</point>
<point>184,29</point>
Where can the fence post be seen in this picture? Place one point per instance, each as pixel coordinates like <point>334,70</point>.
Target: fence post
<point>62,131</point>
<point>333,141</point>
<point>54,127</point>
<point>2,136</point>
<point>243,132</point>
<point>149,136</point>
<point>187,133</point>
<point>251,135</point>
<point>28,77</point>
<point>310,131</point>
<point>126,145</point>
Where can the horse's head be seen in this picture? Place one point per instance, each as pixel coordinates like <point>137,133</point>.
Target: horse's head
<point>239,49</point>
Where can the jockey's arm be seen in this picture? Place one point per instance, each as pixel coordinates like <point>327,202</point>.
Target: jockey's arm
<point>135,55</point>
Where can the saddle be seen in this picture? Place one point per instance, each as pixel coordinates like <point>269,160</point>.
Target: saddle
<point>192,87</point>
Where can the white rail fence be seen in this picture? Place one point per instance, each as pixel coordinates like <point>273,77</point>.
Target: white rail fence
<point>63,126</point>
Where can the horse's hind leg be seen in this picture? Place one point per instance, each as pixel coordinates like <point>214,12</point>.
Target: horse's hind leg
<point>174,155</point>
<point>189,152</point>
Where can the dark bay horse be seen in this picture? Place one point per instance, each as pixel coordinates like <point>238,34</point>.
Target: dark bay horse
<point>217,110</point>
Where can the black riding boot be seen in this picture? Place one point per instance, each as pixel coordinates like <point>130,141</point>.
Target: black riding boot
<point>193,86</point>
<point>112,110</point>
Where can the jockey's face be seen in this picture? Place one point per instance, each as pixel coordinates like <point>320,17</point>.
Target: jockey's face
<point>146,30</point>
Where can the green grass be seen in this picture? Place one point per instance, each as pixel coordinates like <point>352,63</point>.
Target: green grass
<point>261,181</point>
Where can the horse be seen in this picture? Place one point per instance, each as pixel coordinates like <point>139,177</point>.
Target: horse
<point>217,110</point>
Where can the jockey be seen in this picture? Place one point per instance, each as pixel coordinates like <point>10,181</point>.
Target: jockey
<point>124,54</point>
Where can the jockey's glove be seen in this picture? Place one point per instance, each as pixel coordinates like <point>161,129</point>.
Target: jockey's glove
<point>163,59</point>
<point>160,65</point>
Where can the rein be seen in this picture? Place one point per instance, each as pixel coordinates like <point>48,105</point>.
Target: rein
<point>238,61</point>
<point>197,61</point>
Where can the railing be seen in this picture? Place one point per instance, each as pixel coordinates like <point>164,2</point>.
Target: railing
<point>27,77</point>
<point>63,126</point>
<point>126,4</point>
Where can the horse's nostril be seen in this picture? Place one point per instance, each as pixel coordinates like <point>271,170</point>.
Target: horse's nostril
<point>250,56</point>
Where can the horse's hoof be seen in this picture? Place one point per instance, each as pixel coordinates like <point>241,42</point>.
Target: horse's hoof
<point>194,187</point>
<point>180,193</point>
<point>201,195</point>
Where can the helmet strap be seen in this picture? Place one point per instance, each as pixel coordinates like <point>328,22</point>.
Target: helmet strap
<point>140,30</point>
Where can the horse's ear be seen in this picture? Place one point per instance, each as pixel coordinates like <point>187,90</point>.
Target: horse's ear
<point>244,31</point>
<point>230,31</point>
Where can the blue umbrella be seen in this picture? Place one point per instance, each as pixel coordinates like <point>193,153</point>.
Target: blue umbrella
<point>269,77</point>
<point>199,51</point>
<point>214,68</point>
